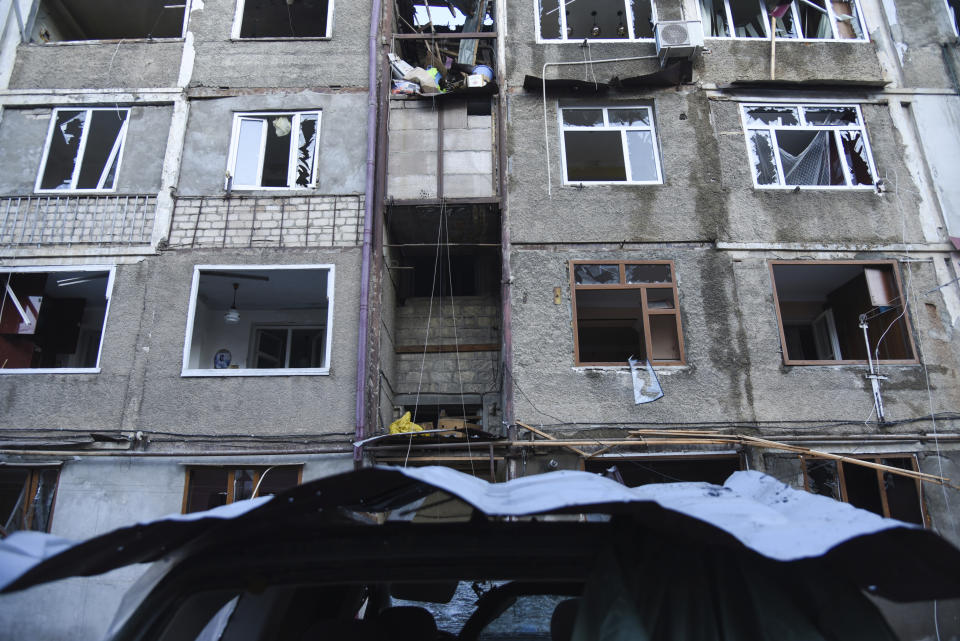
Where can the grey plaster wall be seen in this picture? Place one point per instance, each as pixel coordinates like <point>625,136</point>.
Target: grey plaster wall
<point>140,387</point>
<point>734,369</point>
<point>919,27</point>
<point>343,139</point>
<point>728,60</point>
<point>338,61</point>
<point>708,191</point>
<point>23,138</point>
<point>97,65</point>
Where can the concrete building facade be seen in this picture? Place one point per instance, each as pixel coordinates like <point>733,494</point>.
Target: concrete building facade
<point>219,279</point>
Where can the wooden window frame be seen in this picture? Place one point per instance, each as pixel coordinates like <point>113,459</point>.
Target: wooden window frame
<point>895,269</point>
<point>574,287</point>
<point>32,485</point>
<point>873,458</point>
<point>232,470</point>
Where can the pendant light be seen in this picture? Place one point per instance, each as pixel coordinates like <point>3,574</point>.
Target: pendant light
<point>595,31</point>
<point>621,28</point>
<point>232,316</point>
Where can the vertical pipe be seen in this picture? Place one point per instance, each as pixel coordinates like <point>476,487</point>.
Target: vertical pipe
<point>369,195</point>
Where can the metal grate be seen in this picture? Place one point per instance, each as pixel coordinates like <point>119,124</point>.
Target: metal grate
<point>77,220</point>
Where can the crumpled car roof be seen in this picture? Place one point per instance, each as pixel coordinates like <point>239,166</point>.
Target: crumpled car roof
<point>751,510</point>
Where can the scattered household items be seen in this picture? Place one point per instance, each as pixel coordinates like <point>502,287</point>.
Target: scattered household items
<point>404,425</point>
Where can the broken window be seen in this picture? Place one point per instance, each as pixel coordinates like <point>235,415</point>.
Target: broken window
<point>953,14</point>
<point>598,20</point>
<point>274,151</point>
<point>820,306</point>
<point>266,320</point>
<point>283,19</point>
<point>624,309</point>
<point>66,20</point>
<point>636,471</point>
<point>609,144</point>
<point>210,487</point>
<point>823,146</point>
<point>803,20</point>
<point>83,150</point>
<point>884,493</point>
<point>53,320</point>
<point>26,498</point>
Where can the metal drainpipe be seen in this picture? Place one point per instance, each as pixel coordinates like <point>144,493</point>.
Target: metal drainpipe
<point>369,195</point>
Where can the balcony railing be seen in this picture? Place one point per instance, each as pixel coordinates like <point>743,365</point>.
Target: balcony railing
<point>76,220</point>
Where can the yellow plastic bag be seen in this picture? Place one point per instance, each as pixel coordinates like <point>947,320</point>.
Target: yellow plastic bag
<point>404,425</point>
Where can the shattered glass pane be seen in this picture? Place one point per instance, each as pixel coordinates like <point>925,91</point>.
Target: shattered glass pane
<point>660,298</point>
<point>809,158</point>
<point>656,273</point>
<point>831,115</point>
<point>42,505</point>
<point>102,150</point>
<point>549,19</point>
<point>642,19</point>
<point>855,152</point>
<point>767,115</point>
<point>13,489</point>
<point>863,487</point>
<point>822,477</point>
<point>63,151</point>
<point>242,485</point>
<point>207,488</point>
<point>583,117</point>
<point>715,18</point>
<point>278,479</point>
<point>749,18</point>
<point>596,274</point>
<point>276,153</point>
<point>814,22</point>
<point>848,23</point>
<point>786,27</point>
<point>764,163</point>
<point>629,117</point>
<point>665,345</point>
<point>300,19</point>
<point>248,152</point>
<point>305,150</point>
<point>594,156</point>
<point>643,156</point>
<point>902,495</point>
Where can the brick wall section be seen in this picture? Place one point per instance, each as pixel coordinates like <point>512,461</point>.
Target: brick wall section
<point>243,221</point>
<point>77,220</point>
<point>477,322</point>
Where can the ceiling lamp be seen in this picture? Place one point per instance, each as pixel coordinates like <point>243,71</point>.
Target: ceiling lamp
<point>232,316</point>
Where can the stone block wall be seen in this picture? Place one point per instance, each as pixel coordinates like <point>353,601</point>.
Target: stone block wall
<point>244,221</point>
<point>471,322</point>
<point>468,150</point>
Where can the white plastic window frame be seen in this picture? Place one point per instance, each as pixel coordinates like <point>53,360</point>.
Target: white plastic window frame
<point>953,19</point>
<point>251,371</point>
<point>836,129</point>
<point>238,26</point>
<point>795,13</point>
<point>623,138</point>
<point>627,19</point>
<point>117,152</point>
<point>294,116</point>
<point>111,274</point>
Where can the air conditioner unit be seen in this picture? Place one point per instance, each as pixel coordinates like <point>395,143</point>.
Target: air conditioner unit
<point>679,38</point>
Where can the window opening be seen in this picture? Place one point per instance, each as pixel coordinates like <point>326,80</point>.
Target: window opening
<point>77,20</point>
<point>609,144</point>
<point>634,472</point>
<point>210,487</point>
<point>625,309</point>
<point>878,491</point>
<point>953,13</point>
<point>803,20</point>
<point>820,304</point>
<point>283,19</point>
<point>824,146</point>
<point>83,150</point>
<point>598,20</point>
<point>276,321</point>
<point>274,151</point>
<point>26,498</point>
<point>52,320</point>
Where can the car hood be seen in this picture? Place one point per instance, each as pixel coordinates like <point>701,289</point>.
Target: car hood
<point>751,510</point>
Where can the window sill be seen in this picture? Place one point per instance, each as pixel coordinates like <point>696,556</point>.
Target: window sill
<point>863,188</point>
<point>51,370</point>
<point>851,364</point>
<point>318,371</point>
<point>604,183</point>
<point>75,192</point>
<point>766,39</point>
<point>126,41</point>
<point>668,369</point>
<point>541,41</point>
<point>282,39</point>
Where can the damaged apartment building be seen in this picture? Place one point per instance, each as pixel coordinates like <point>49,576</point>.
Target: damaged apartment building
<point>249,243</point>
